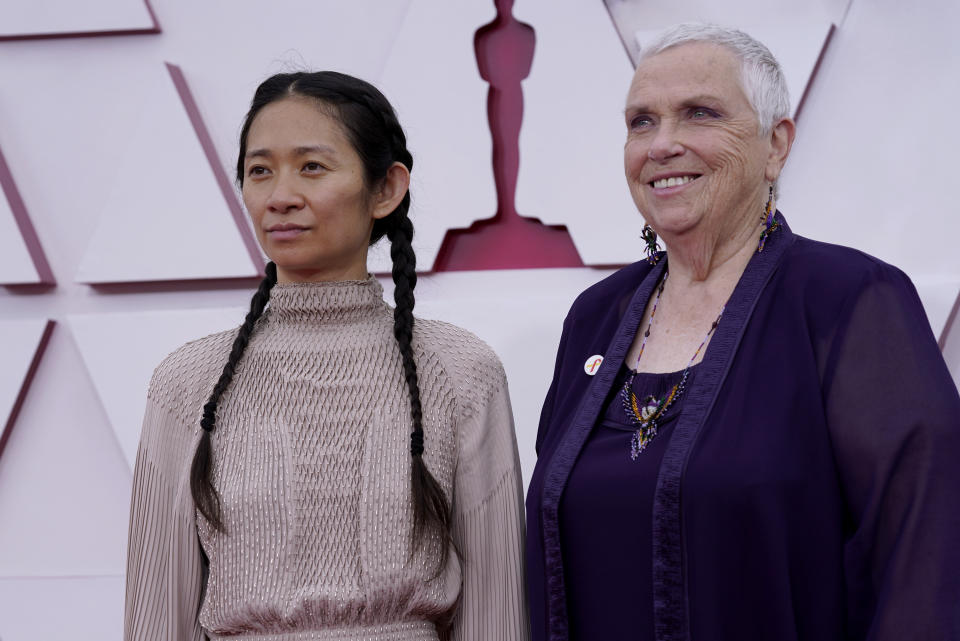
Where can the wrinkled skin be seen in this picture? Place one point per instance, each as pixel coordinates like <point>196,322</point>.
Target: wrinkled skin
<point>687,114</point>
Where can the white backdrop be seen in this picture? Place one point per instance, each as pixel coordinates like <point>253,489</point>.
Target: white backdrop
<point>94,130</point>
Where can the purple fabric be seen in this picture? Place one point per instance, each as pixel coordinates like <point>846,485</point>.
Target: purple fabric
<point>810,488</point>
<point>612,502</point>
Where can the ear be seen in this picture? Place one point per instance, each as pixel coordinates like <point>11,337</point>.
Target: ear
<point>781,140</point>
<point>392,189</point>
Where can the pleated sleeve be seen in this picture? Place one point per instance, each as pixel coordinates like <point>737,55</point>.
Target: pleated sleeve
<point>894,419</point>
<point>165,569</point>
<point>488,524</point>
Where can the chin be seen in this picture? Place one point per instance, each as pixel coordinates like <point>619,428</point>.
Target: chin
<point>674,223</point>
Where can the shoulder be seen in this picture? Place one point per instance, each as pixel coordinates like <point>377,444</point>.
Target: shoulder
<point>186,375</point>
<point>463,359</point>
<point>836,272</point>
<point>832,287</point>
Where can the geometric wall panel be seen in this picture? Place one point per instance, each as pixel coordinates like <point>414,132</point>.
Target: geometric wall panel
<point>938,298</point>
<point>22,343</point>
<point>22,260</point>
<point>885,206</point>
<point>121,350</point>
<point>950,342</point>
<point>167,216</point>
<point>88,608</point>
<point>29,19</point>
<point>571,143</point>
<point>223,180</point>
<point>448,133</point>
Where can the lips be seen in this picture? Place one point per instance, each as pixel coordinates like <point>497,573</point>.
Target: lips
<point>285,231</point>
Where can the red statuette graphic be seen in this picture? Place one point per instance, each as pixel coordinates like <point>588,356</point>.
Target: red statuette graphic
<point>504,51</point>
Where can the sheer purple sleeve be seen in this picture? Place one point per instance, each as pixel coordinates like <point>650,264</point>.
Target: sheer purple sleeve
<point>546,413</point>
<point>894,418</point>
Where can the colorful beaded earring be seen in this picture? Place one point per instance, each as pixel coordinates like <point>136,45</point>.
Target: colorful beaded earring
<point>770,224</point>
<point>653,247</point>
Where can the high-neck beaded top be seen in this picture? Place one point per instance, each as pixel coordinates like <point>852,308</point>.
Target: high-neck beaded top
<point>311,459</point>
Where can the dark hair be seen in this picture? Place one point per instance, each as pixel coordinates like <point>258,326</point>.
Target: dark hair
<point>371,126</point>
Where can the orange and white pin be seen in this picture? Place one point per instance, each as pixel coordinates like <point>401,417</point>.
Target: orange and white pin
<point>593,364</point>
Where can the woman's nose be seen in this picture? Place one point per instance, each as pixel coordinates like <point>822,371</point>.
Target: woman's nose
<point>665,144</point>
<point>286,196</point>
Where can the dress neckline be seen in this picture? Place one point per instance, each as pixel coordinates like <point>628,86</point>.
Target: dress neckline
<point>334,301</point>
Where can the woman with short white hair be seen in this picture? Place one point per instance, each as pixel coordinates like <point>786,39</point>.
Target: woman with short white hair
<point>769,447</point>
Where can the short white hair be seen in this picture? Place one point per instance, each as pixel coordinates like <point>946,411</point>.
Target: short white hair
<point>761,75</point>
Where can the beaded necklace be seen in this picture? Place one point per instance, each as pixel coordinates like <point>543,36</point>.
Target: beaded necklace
<point>645,416</point>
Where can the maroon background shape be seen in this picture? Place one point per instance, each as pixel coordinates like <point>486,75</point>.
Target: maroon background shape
<point>27,232</point>
<point>25,385</point>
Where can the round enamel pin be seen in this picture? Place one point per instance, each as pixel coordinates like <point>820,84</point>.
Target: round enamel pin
<point>593,364</point>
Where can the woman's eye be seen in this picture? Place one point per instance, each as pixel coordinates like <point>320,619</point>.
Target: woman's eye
<point>312,167</point>
<point>257,170</point>
<point>702,112</point>
<point>640,121</point>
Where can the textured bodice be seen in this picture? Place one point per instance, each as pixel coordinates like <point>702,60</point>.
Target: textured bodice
<point>311,458</point>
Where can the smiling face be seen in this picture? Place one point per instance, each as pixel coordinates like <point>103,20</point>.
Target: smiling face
<point>694,157</point>
<point>305,190</point>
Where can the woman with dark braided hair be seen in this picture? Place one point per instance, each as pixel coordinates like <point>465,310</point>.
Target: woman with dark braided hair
<point>333,469</point>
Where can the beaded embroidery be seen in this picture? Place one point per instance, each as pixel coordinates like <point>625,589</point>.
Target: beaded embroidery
<point>645,416</point>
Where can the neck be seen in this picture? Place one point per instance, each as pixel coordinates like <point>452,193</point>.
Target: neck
<point>327,275</point>
<point>712,252</point>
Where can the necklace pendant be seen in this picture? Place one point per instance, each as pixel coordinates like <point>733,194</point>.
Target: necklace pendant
<point>641,439</point>
<point>649,409</point>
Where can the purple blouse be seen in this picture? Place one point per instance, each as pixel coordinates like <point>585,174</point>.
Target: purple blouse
<point>612,502</point>
<point>809,488</point>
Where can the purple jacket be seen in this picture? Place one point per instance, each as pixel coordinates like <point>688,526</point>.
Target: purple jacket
<point>810,489</point>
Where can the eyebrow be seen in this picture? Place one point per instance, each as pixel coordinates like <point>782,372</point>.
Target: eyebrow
<point>693,101</point>
<point>298,151</point>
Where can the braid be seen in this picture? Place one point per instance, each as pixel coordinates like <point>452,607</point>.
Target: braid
<point>405,279</point>
<point>431,509</point>
<point>205,496</point>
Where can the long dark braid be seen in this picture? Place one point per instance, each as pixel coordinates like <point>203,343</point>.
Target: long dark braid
<point>372,127</point>
<point>430,505</point>
<point>205,495</point>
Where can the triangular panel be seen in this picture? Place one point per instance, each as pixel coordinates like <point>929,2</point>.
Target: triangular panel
<point>65,18</point>
<point>167,217</point>
<point>86,607</point>
<point>22,343</point>
<point>121,361</point>
<point>938,295</point>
